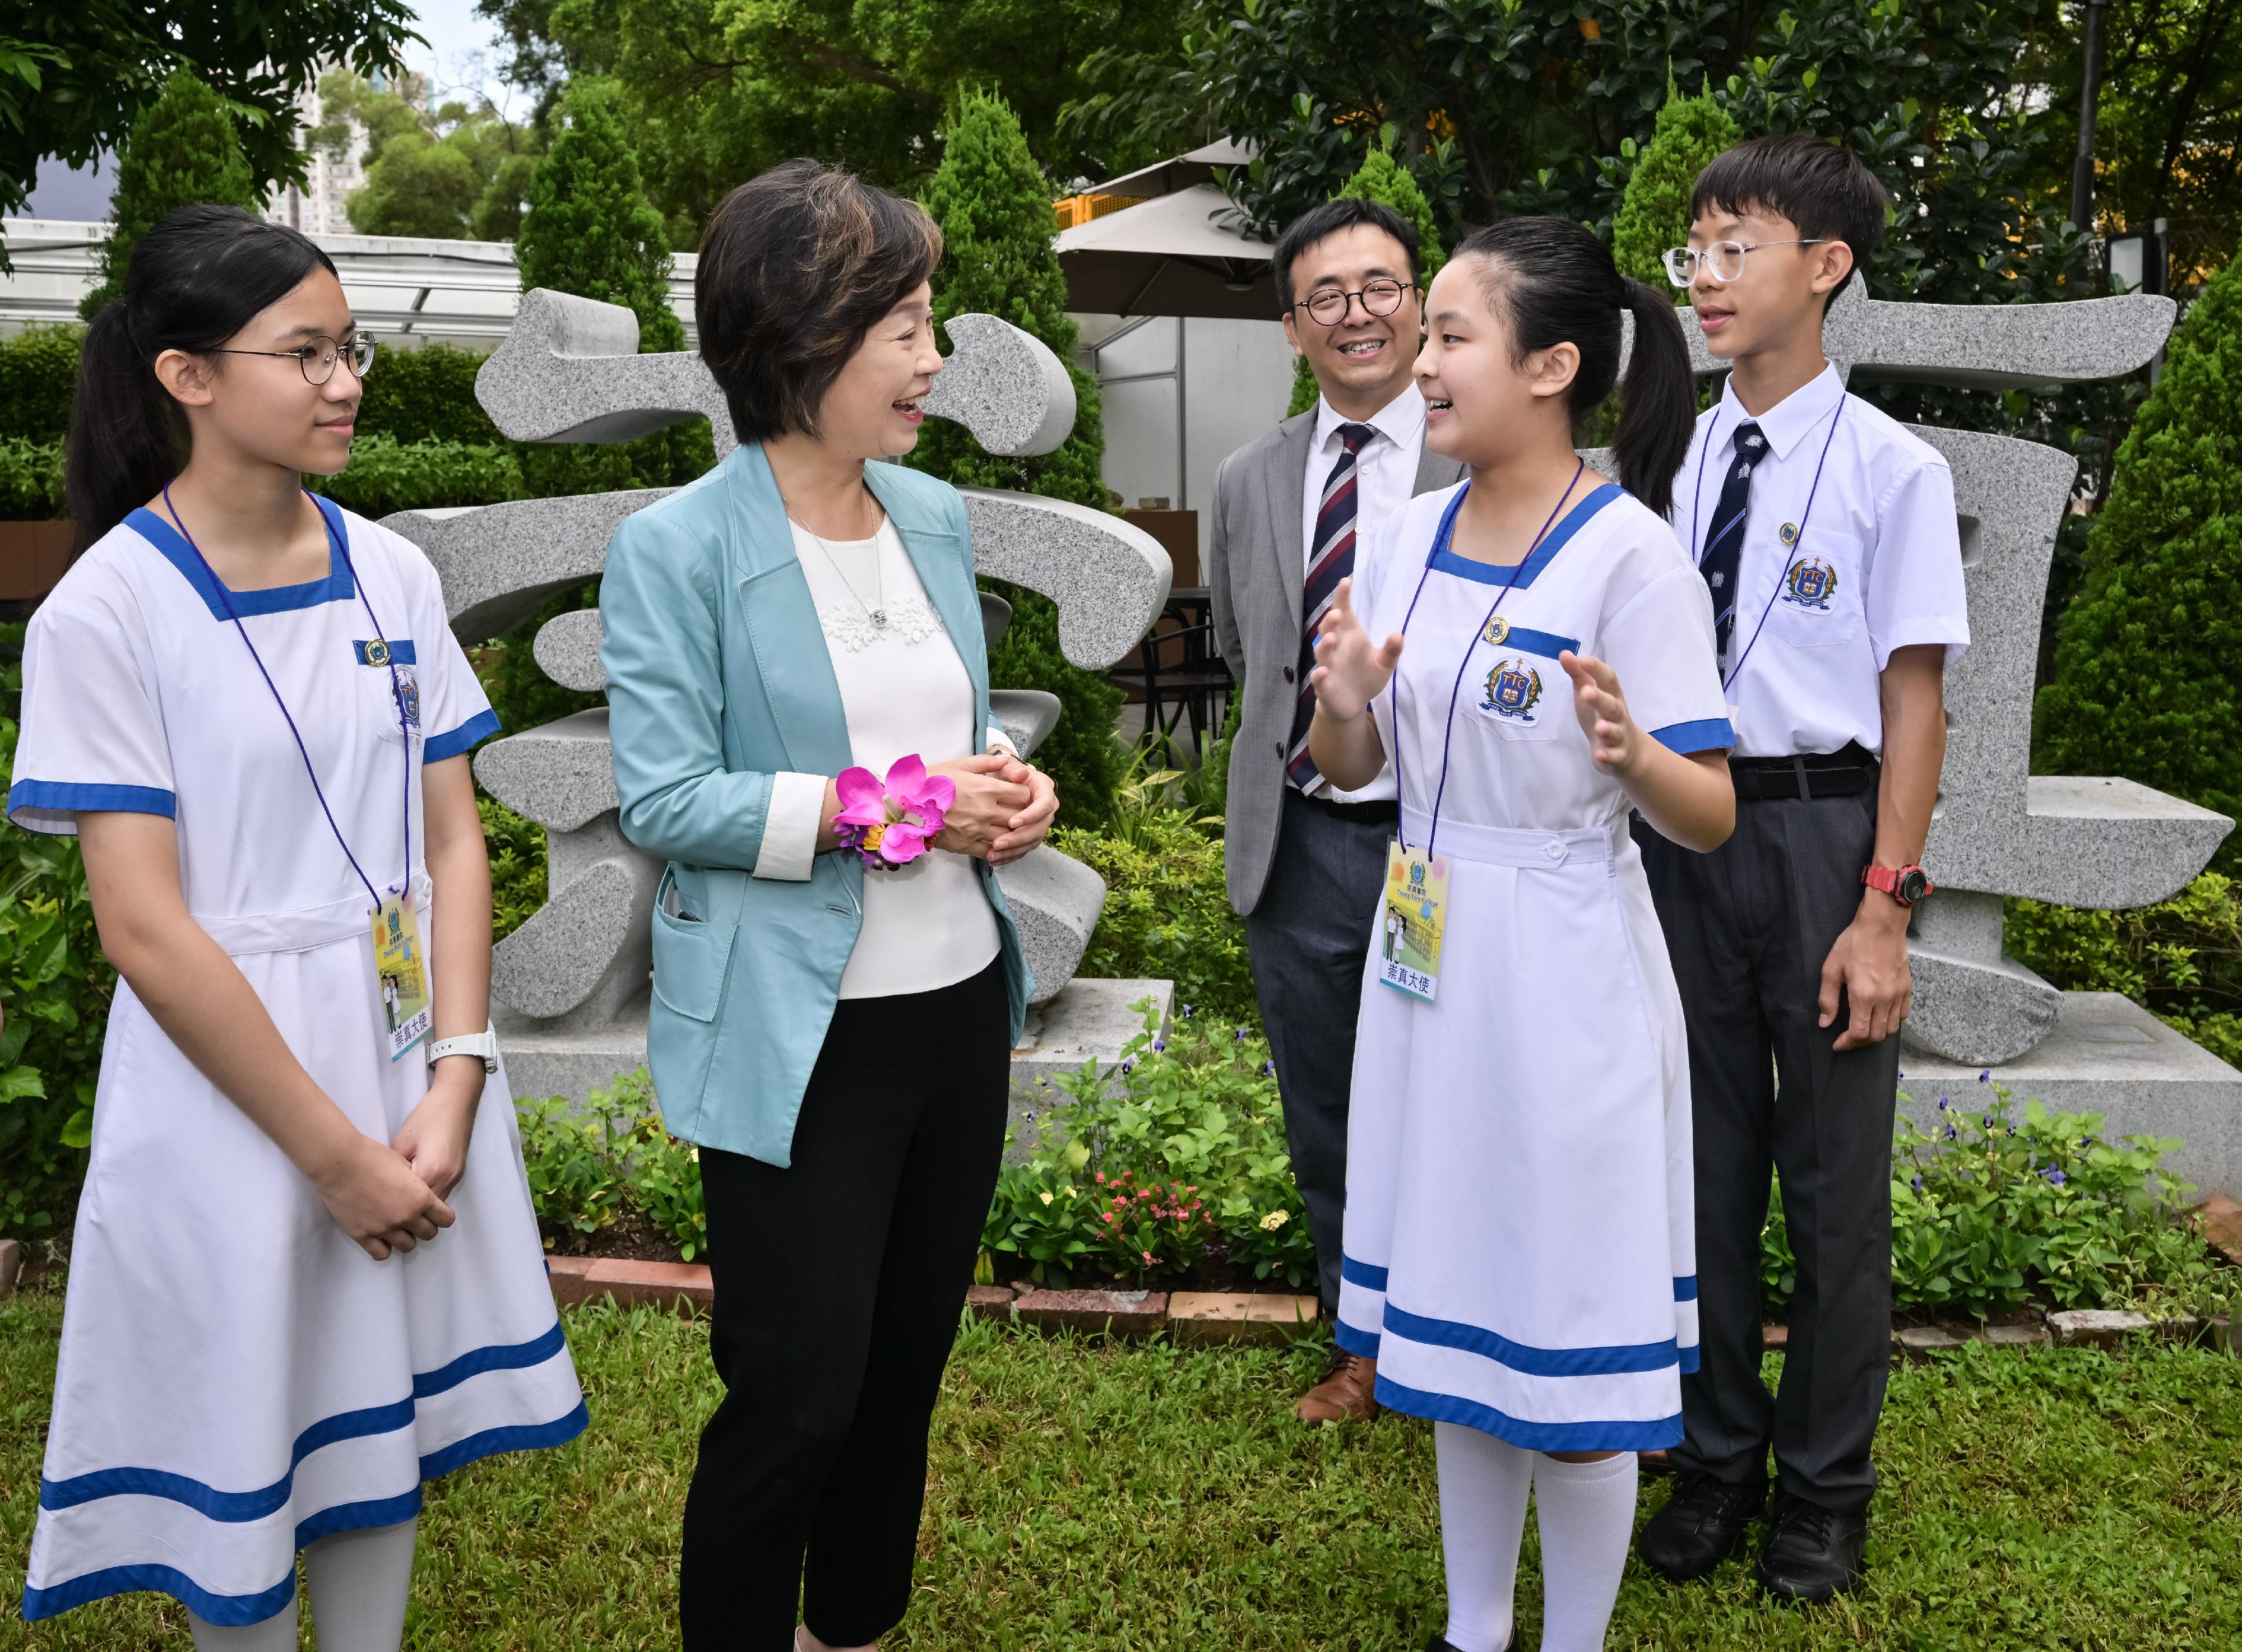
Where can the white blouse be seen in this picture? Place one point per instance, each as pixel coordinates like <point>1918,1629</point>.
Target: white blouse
<point>903,689</point>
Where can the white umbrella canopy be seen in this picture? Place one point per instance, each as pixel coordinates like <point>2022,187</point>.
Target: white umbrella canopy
<point>1168,255</point>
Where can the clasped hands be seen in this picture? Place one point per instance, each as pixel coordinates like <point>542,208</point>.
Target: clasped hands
<point>1004,807</point>
<point>389,1196</point>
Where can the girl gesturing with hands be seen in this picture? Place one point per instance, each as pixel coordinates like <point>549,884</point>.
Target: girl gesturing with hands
<point>1519,1255</point>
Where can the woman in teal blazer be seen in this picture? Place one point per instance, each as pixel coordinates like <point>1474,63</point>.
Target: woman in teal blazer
<point>836,1041</point>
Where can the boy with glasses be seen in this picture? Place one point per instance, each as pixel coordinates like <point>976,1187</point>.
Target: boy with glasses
<point>1826,534</point>
<point>1306,862</point>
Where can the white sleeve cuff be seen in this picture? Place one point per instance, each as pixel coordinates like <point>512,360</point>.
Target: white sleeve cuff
<point>790,824</point>
<point>999,739</point>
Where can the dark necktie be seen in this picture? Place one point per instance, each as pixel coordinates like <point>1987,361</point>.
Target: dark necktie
<point>1331,560</point>
<point>1724,546</point>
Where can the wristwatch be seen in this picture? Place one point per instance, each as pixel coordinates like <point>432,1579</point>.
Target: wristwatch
<point>1906,885</point>
<point>484,1044</point>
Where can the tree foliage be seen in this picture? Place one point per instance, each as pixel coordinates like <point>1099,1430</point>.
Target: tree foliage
<point>182,151</point>
<point>1654,211</point>
<point>445,174</point>
<point>2148,667</point>
<point>75,76</point>
<point>1381,180</point>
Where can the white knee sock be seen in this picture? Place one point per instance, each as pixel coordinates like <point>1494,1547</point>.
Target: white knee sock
<point>1586,1512</point>
<point>360,1582</point>
<point>276,1633</point>
<point>1483,1486</point>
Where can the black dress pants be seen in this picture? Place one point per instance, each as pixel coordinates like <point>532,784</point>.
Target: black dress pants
<point>839,1282</point>
<point>1308,936</point>
<point>1748,928</point>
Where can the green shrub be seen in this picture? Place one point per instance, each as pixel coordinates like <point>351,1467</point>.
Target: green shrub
<point>1174,1159</point>
<point>517,866</point>
<point>587,1169</point>
<point>2148,661</point>
<point>183,151</point>
<point>2180,958</point>
<point>386,475</point>
<point>31,480</point>
<point>1653,211</point>
<point>1382,180</point>
<point>38,376</point>
<point>1166,915</point>
<point>425,394</point>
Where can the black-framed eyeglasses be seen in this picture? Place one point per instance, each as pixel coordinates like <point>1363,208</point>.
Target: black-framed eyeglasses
<point>317,357</point>
<point>1330,305</point>
<point>1723,260</point>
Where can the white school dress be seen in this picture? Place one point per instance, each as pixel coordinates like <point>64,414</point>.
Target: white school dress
<point>237,1378</point>
<point>1519,1250</point>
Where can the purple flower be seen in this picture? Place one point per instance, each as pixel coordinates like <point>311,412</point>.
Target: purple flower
<point>1127,1065</point>
<point>1159,1043</point>
<point>2055,1178</point>
<point>1268,1069</point>
<point>1903,1073</point>
<point>1942,1104</point>
<point>1241,1036</point>
<point>1951,1133</point>
<point>1186,1012</point>
<point>1917,1183</point>
<point>1986,1077</point>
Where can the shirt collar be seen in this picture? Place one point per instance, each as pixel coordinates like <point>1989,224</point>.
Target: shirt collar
<point>1785,423</point>
<point>1398,421</point>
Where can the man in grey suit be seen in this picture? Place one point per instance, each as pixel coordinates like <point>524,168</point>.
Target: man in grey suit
<point>1307,862</point>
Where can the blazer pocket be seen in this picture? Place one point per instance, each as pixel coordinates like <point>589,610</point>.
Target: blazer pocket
<point>690,954</point>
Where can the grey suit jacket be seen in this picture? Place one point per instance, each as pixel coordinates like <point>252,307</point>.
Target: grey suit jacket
<point>1257,565</point>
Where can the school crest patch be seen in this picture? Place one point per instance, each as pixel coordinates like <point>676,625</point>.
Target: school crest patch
<point>1810,583</point>
<point>1513,688</point>
<point>407,697</point>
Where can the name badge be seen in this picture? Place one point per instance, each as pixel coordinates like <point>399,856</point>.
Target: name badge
<point>1414,918</point>
<point>400,975</point>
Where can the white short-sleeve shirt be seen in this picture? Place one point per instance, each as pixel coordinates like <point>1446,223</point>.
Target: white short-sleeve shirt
<point>1823,597</point>
<point>1608,580</point>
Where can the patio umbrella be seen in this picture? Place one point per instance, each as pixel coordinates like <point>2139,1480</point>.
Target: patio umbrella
<point>1169,256</point>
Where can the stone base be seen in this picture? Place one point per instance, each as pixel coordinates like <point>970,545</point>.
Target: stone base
<point>1084,1019</point>
<point>2109,1055</point>
<point>541,1062</point>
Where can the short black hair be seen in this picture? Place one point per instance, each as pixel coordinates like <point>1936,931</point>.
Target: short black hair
<point>797,265</point>
<point>1328,219</point>
<point>1821,187</point>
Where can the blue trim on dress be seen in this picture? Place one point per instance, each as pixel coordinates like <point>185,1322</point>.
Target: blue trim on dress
<point>336,587</point>
<point>1524,573</point>
<point>1689,1360</point>
<point>232,1611</point>
<point>476,1362</point>
<point>1704,734</point>
<point>69,796</point>
<point>1685,1289</point>
<point>1547,644</point>
<point>1362,1274</point>
<point>465,738</point>
<point>1533,1361</point>
<point>1361,1344</point>
<point>527,1436</point>
<point>1655,1436</point>
<point>401,651</point>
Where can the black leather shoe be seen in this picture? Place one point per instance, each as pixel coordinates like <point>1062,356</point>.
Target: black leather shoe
<point>1441,1643</point>
<point>1813,1553</point>
<point>1699,1527</point>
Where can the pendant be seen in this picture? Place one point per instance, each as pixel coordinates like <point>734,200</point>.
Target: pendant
<point>879,616</point>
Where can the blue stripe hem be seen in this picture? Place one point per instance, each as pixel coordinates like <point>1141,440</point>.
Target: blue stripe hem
<point>1362,1274</point>
<point>465,738</point>
<point>1705,734</point>
<point>1655,1435</point>
<point>1685,1288</point>
<point>1532,1362</point>
<point>517,1357</point>
<point>1689,1360</point>
<point>68,796</point>
<point>1362,1344</point>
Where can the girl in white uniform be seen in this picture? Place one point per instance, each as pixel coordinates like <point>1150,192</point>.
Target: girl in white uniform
<point>247,704</point>
<point>1518,1254</point>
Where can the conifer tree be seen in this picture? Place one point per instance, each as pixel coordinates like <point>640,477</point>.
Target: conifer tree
<point>2148,662</point>
<point>995,209</point>
<point>1654,212</point>
<point>1384,180</point>
<point>182,151</point>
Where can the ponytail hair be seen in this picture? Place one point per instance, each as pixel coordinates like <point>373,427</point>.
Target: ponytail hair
<point>196,278</point>
<point>1558,284</point>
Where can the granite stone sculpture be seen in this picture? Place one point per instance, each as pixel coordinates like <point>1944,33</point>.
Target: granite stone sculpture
<point>569,984</point>
<point>1998,829</point>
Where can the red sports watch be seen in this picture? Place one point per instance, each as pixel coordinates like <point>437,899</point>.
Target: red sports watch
<point>1906,885</point>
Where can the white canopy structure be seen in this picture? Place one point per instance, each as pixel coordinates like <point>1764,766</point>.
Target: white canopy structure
<point>1180,251</point>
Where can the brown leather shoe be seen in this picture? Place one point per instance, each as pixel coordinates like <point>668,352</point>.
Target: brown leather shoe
<point>1347,1393</point>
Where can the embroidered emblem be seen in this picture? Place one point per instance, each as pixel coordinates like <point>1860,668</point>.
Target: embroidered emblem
<point>406,697</point>
<point>1810,583</point>
<point>1787,534</point>
<point>1498,628</point>
<point>1512,689</point>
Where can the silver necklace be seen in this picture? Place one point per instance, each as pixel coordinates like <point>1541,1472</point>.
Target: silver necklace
<point>877,610</point>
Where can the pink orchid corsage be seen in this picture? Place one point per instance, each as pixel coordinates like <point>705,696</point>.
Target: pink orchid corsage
<point>890,826</point>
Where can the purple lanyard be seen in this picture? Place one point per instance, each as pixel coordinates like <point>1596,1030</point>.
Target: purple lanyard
<point>1697,546</point>
<point>1448,728</point>
<point>397,690</point>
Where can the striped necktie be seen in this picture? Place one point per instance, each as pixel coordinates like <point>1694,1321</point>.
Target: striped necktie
<point>1723,552</point>
<point>1331,561</point>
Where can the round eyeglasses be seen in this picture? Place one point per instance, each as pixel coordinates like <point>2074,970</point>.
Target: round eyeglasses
<point>1723,260</point>
<point>317,357</point>
<point>1329,305</point>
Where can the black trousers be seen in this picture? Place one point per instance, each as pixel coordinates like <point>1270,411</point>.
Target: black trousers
<point>1308,935</point>
<point>1748,928</point>
<point>838,1284</point>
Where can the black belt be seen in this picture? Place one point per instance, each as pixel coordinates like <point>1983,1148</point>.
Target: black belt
<point>1816,774</point>
<point>1384,811</point>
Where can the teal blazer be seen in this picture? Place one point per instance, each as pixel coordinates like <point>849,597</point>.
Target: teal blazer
<point>718,679</point>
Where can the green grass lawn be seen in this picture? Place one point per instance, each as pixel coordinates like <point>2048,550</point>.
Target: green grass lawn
<point>1088,1495</point>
